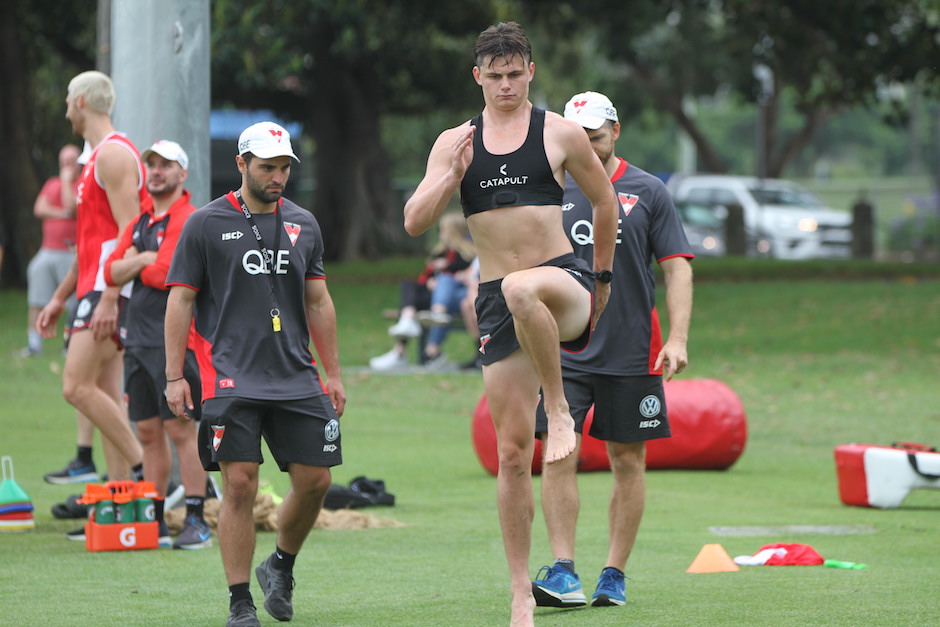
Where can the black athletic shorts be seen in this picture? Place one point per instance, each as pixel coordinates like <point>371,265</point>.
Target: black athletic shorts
<point>80,318</point>
<point>303,431</point>
<point>497,328</point>
<point>626,408</point>
<point>145,383</point>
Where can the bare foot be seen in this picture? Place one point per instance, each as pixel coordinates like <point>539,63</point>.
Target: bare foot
<point>523,611</point>
<point>561,439</point>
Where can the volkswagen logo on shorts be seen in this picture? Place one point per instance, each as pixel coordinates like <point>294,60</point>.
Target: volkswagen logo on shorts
<point>84,308</point>
<point>331,430</point>
<point>650,406</point>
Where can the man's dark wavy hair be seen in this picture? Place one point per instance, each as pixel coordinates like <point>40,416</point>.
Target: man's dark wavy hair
<point>506,40</point>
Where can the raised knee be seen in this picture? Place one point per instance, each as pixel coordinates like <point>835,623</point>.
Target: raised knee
<point>516,292</point>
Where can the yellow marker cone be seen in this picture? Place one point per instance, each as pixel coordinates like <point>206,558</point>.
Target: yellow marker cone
<point>712,559</point>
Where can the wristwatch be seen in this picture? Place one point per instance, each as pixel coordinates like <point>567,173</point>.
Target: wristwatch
<point>604,276</point>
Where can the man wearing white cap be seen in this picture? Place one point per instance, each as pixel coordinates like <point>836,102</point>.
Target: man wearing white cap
<point>250,266</point>
<point>621,371</point>
<point>142,256</point>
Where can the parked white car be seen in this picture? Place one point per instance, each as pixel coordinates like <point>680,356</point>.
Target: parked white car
<point>781,218</point>
<point>704,227</point>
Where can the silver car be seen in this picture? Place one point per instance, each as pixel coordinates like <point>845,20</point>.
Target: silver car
<point>781,218</point>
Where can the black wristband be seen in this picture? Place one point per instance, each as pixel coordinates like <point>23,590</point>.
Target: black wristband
<point>176,379</point>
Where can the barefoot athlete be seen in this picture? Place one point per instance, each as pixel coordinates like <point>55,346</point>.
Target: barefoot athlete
<point>509,164</point>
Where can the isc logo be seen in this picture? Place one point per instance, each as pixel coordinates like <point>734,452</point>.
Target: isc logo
<point>649,424</point>
<point>232,235</point>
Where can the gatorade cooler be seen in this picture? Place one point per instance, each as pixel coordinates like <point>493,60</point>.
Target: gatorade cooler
<point>882,476</point>
<point>125,534</point>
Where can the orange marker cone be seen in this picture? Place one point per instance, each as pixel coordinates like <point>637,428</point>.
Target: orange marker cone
<point>713,559</point>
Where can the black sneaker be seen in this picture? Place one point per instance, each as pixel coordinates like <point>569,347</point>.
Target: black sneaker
<point>76,534</point>
<point>71,508</point>
<point>243,614</point>
<point>75,471</point>
<point>278,588</point>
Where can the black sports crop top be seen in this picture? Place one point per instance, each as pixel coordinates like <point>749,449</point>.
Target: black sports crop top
<point>522,177</point>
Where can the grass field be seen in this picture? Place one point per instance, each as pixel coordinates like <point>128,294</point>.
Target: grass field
<point>819,357</point>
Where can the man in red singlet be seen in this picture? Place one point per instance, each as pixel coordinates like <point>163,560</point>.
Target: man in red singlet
<point>109,196</point>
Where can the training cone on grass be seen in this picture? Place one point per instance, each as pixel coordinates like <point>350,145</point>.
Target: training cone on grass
<point>16,508</point>
<point>712,559</point>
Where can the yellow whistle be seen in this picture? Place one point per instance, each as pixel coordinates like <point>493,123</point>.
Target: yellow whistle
<point>276,321</point>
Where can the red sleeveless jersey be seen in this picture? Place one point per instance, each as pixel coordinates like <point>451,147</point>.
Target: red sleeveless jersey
<point>97,228</point>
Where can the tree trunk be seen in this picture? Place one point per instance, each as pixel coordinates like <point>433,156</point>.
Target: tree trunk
<point>18,177</point>
<point>812,121</point>
<point>353,201</point>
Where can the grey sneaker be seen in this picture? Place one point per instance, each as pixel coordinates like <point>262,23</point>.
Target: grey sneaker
<point>243,614</point>
<point>278,588</point>
<point>194,535</point>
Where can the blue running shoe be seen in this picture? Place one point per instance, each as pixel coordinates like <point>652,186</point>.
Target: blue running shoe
<point>611,589</point>
<point>76,471</point>
<point>559,587</point>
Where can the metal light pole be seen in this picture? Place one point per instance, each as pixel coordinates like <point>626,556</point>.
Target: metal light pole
<point>160,54</point>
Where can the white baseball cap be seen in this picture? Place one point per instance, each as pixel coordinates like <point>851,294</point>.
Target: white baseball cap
<point>171,151</point>
<point>266,140</point>
<point>590,109</point>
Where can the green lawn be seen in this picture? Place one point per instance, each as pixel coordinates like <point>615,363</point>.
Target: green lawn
<point>816,362</point>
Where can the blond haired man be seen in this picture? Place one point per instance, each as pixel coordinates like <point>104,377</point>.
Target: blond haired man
<point>110,191</point>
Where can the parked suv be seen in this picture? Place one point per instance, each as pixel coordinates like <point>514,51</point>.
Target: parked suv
<point>781,219</point>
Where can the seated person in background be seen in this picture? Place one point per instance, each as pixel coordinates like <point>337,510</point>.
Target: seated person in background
<point>447,297</point>
<point>453,253</point>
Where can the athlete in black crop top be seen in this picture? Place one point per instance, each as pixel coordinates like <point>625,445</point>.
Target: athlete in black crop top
<point>521,177</point>
<point>530,297</point>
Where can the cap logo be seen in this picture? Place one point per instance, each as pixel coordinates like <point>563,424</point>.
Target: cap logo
<point>580,104</point>
<point>276,133</point>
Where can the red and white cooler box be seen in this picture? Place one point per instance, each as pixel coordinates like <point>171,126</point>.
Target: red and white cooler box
<point>882,476</point>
